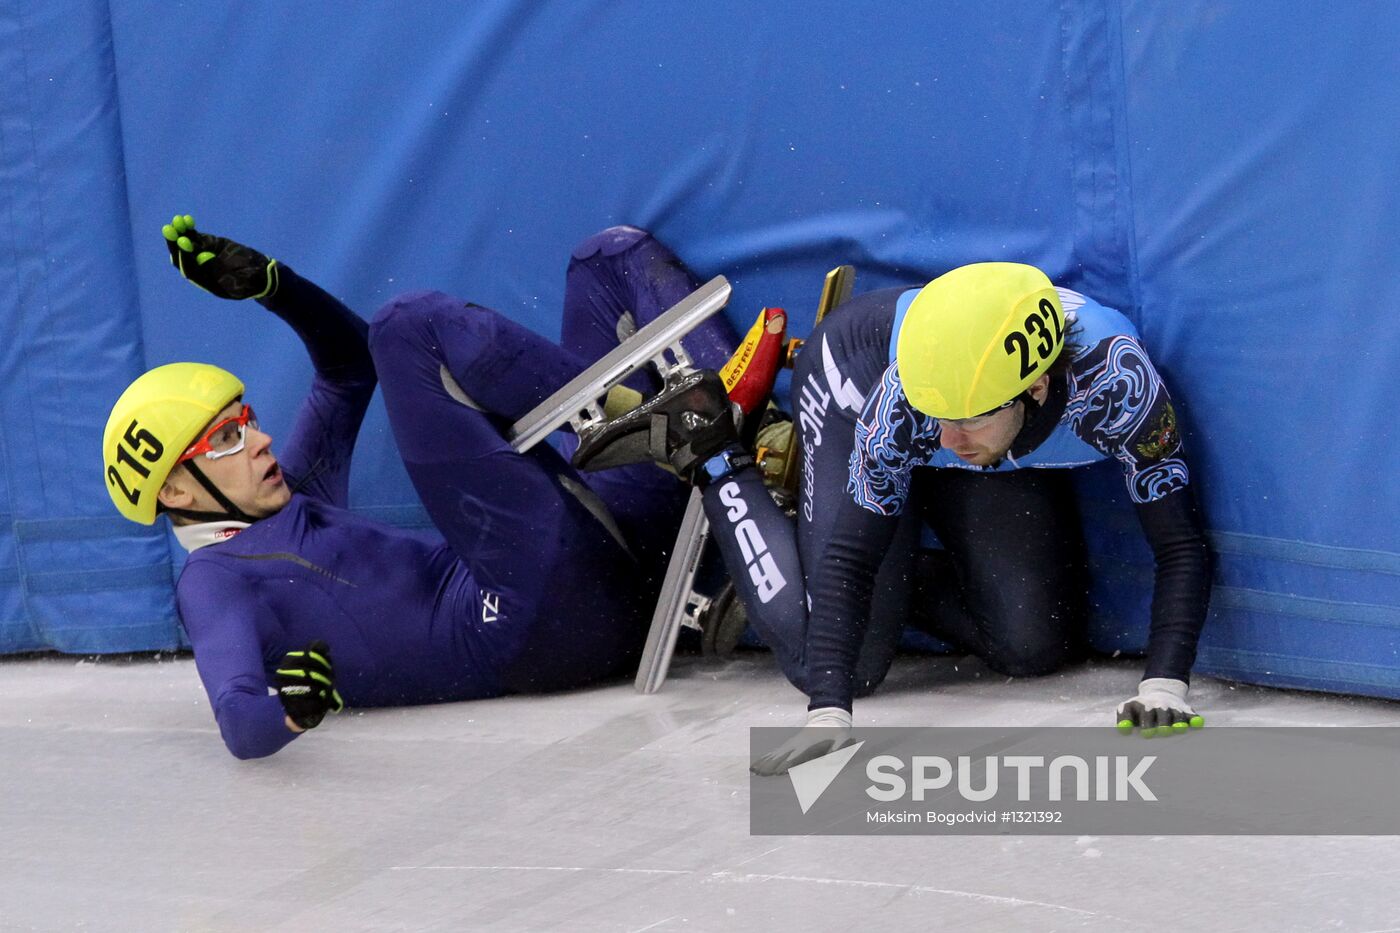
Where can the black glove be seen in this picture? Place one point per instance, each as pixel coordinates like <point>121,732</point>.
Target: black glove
<point>218,265</point>
<point>306,686</point>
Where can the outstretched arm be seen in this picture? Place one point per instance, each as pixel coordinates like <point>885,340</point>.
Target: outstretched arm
<point>1140,430</point>
<point>1182,591</point>
<point>887,444</point>
<point>317,455</point>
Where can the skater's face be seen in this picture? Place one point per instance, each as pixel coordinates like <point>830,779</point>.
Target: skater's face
<point>251,477</point>
<point>989,441</point>
<point>984,441</point>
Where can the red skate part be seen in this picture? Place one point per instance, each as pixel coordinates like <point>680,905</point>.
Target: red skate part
<point>751,371</point>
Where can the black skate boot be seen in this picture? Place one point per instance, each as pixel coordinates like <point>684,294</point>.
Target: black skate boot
<point>685,424</point>
<point>723,623</point>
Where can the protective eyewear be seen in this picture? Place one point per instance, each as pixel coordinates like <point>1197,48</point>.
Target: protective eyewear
<point>224,438</point>
<point>977,422</point>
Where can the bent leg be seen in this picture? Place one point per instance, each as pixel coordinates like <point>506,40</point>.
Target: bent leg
<point>623,278</point>
<point>758,544</point>
<point>618,281</point>
<point>520,522</point>
<point>501,367</point>
<point>1017,560</point>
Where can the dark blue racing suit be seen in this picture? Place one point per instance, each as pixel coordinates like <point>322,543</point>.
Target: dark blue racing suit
<point>1011,583</point>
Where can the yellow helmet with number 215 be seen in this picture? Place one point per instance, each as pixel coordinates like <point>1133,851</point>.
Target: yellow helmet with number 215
<point>977,337</point>
<point>155,420</point>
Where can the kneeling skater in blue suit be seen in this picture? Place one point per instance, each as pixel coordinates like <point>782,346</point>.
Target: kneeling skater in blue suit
<point>955,402</point>
<point>537,578</point>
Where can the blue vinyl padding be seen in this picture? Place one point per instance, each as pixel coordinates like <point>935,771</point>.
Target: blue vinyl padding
<point>1223,175</point>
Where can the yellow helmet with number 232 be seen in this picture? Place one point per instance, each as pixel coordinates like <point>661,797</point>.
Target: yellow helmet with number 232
<point>977,337</point>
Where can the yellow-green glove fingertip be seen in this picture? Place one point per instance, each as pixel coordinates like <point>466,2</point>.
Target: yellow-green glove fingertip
<point>1197,722</point>
<point>1125,726</point>
<point>189,222</point>
<point>203,257</point>
<point>169,233</point>
<point>1180,726</point>
<point>185,244</point>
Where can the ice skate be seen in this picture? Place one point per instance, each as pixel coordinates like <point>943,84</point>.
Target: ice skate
<point>682,426</point>
<point>679,602</point>
<point>749,377</point>
<point>723,623</point>
<point>695,415</point>
<point>580,402</point>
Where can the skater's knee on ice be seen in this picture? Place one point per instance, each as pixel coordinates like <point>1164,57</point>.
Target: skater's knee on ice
<point>1024,665</point>
<point>610,242</point>
<point>1032,658</point>
<point>866,684</point>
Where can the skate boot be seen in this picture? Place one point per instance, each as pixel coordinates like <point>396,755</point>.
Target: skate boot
<point>684,424</point>
<point>689,421</point>
<point>723,623</point>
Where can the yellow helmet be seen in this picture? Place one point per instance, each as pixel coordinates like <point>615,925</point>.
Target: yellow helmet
<point>977,337</point>
<point>155,420</point>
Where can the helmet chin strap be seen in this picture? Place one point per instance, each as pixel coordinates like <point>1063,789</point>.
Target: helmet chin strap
<point>1041,416</point>
<point>231,511</point>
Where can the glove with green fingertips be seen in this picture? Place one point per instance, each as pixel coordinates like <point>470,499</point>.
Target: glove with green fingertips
<point>306,685</point>
<point>216,264</point>
<point>1159,709</point>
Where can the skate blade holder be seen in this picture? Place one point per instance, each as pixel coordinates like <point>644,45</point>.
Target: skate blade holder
<point>680,605</point>
<point>579,402</point>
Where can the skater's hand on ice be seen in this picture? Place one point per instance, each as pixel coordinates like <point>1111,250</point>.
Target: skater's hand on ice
<point>827,730</point>
<point>216,264</point>
<point>306,685</point>
<point>1160,708</point>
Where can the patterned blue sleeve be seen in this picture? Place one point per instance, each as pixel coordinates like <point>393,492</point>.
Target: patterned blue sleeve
<point>888,445</point>
<point>1119,406</point>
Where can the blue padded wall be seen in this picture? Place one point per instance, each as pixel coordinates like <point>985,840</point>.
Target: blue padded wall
<point>1223,176</point>
<point>73,575</point>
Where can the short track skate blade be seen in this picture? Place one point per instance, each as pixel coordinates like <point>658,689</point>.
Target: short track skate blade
<point>836,289</point>
<point>659,342</point>
<point>678,597</point>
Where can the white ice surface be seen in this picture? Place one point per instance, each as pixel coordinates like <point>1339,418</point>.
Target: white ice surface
<point>597,810</point>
